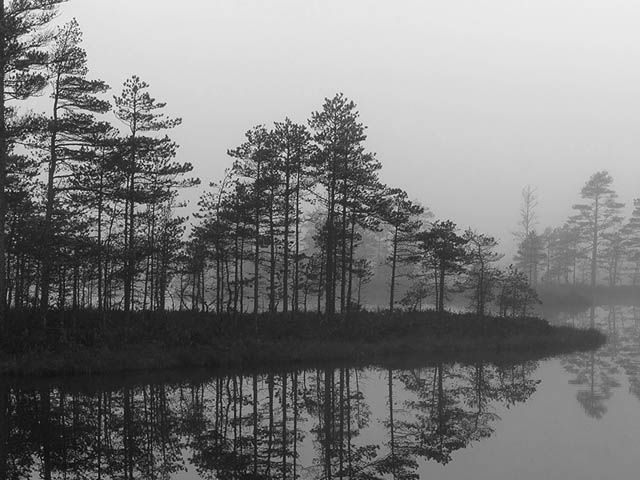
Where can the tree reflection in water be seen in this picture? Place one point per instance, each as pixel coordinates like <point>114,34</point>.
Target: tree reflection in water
<point>286,425</point>
<point>597,372</point>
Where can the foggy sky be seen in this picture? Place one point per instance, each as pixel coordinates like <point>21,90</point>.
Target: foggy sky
<point>466,101</point>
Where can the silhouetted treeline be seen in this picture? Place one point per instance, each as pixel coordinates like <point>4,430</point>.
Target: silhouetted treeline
<point>291,227</point>
<point>90,206</point>
<point>90,190</point>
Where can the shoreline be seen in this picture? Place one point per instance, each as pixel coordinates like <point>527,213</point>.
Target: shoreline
<point>177,340</point>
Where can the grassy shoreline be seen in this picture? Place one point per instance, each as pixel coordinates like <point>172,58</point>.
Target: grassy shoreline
<point>89,343</point>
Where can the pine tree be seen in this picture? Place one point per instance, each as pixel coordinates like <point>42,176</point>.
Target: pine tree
<point>145,159</point>
<point>445,251</point>
<point>74,101</point>
<point>482,275</point>
<point>597,216</point>
<point>339,137</point>
<point>22,43</point>
<point>631,240</point>
<point>95,183</point>
<point>291,142</point>
<point>402,215</point>
<point>252,159</point>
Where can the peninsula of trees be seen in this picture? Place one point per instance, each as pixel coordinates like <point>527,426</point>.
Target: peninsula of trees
<point>90,208</point>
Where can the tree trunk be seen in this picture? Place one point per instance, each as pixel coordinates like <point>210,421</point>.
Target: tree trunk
<point>394,255</point>
<point>594,248</point>
<point>256,260</point>
<point>391,424</point>
<point>441,300</point>
<point>48,217</point>
<point>285,272</point>
<point>4,429</point>
<point>3,175</point>
<point>296,275</point>
<point>272,251</point>
<point>330,252</point>
<point>99,259</point>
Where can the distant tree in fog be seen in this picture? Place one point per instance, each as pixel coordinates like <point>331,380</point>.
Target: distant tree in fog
<point>612,257</point>
<point>363,271</point>
<point>529,243</point>
<point>562,253</point>
<point>528,214</point>
<point>530,255</point>
<point>416,294</point>
<point>598,215</point>
<point>631,241</point>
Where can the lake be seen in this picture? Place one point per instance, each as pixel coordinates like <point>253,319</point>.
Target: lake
<point>571,417</point>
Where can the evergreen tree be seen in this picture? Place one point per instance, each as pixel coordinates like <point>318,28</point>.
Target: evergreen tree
<point>530,255</point>
<point>251,164</point>
<point>562,253</point>
<point>146,160</point>
<point>95,182</point>
<point>339,165</point>
<point>631,241</point>
<point>403,217</point>
<point>598,216</point>
<point>516,295</point>
<point>291,143</point>
<point>74,101</point>
<point>482,275</point>
<point>23,40</point>
<point>445,251</point>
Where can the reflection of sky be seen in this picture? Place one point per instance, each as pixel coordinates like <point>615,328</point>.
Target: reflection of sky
<point>547,437</point>
<point>551,437</point>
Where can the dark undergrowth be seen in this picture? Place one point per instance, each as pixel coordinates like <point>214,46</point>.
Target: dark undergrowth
<point>90,342</point>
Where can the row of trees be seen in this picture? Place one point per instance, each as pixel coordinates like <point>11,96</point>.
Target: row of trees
<point>596,245</point>
<point>89,201</point>
<point>289,223</point>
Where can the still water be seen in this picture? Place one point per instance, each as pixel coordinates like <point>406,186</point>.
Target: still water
<point>572,417</point>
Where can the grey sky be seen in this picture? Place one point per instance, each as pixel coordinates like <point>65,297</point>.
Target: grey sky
<point>466,100</point>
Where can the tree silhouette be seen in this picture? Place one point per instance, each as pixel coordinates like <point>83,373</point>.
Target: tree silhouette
<point>22,53</point>
<point>74,102</point>
<point>598,216</point>
<point>445,250</point>
<point>147,162</point>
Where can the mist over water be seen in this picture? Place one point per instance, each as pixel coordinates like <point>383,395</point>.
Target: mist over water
<point>217,183</point>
